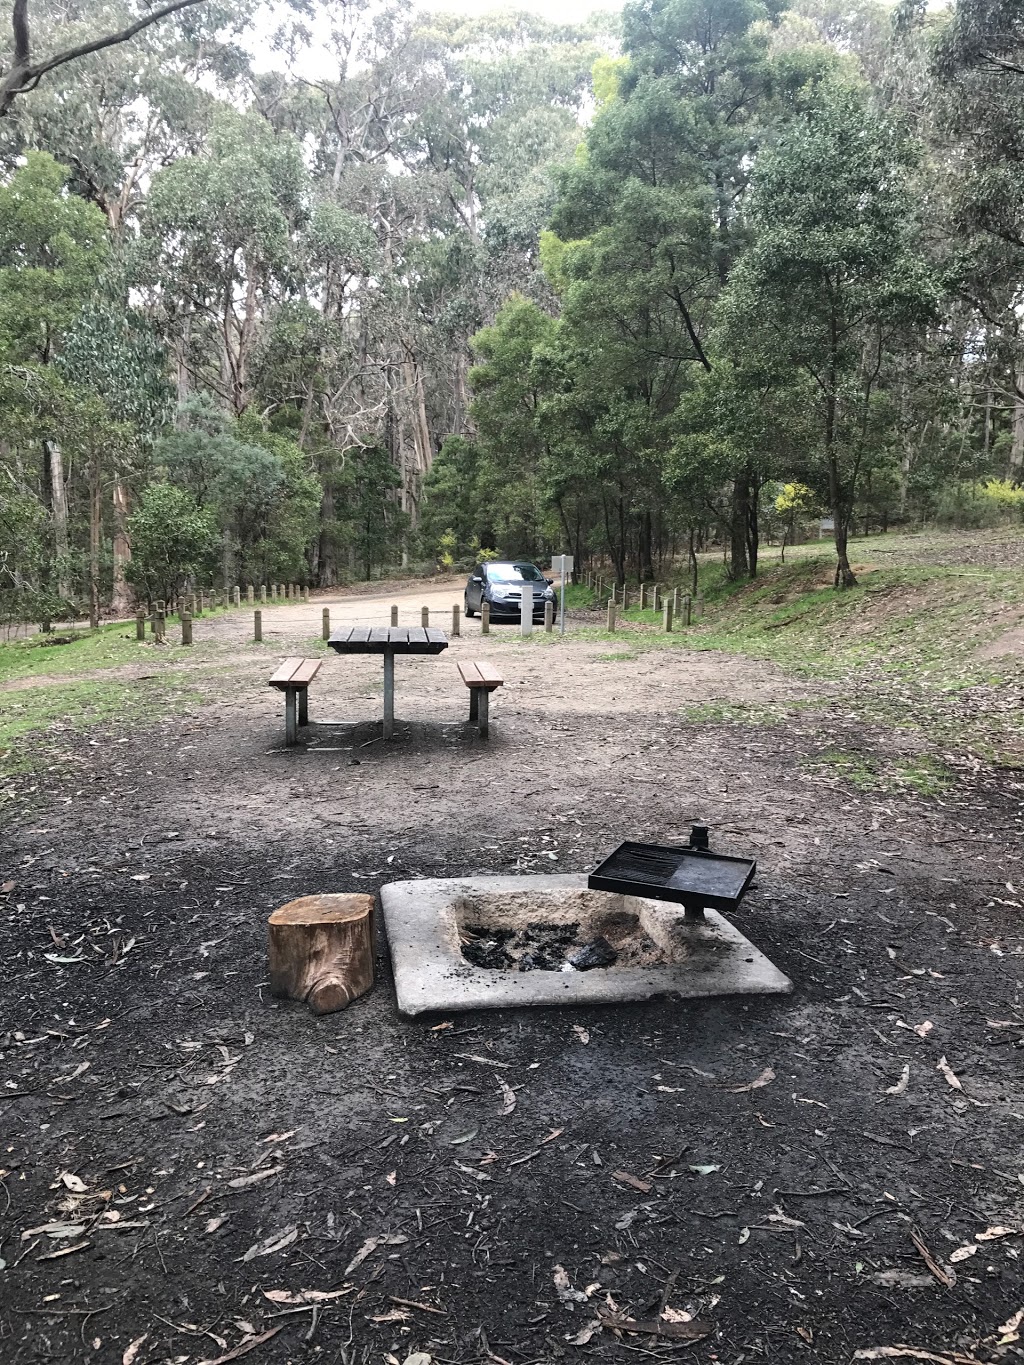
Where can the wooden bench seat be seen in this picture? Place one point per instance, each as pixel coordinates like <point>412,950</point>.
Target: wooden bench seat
<point>293,679</point>
<point>482,679</point>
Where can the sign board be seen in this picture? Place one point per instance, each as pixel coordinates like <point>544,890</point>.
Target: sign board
<point>562,565</point>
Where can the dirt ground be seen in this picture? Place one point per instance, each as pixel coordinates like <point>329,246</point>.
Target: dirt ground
<point>195,1172</point>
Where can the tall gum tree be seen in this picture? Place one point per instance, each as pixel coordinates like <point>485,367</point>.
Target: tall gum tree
<point>833,283</point>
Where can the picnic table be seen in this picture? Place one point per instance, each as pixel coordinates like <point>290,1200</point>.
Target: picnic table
<point>389,641</point>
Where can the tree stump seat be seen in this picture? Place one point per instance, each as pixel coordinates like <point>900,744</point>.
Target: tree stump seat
<point>320,950</point>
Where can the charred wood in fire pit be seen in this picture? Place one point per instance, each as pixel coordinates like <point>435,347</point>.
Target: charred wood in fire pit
<point>600,953</point>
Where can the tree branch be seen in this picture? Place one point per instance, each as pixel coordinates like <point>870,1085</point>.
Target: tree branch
<point>24,75</point>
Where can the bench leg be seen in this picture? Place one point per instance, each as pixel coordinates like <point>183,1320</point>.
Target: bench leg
<point>304,706</point>
<point>291,730</point>
<point>389,693</point>
<point>474,703</point>
<point>482,709</point>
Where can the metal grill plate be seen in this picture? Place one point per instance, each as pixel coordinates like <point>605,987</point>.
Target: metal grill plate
<point>687,876</point>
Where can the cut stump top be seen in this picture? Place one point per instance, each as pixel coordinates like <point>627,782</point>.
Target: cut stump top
<point>326,908</point>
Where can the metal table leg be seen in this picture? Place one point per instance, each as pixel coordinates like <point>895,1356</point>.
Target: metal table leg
<point>389,693</point>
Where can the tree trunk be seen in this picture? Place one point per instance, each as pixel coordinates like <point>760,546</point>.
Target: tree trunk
<point>740,562</point>
<point>1016,470</point>
<point>59,507</point>
<point>120,600</point>
<point>320,950</point>
<point>95,539</point>
<point>645,555</point>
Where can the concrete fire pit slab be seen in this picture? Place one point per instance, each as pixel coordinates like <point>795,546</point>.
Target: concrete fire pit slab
<point>423,921</point>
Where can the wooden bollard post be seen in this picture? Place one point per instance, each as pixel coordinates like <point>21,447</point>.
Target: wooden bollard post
<point>485,618</point>
<point>666,622</point>
<point>250,594</point>
<point>193,605</point>
<point>186,627</point>
<point>424,617</point>
<point>140,624</point>
<point>305,594</point>
<point>320,950</point>
<point>698,605</point>
<point>394,616</point>
<point>656,603</point>
<point>625,599</point>
<point>159,625</point>
<point>294,591</point>
<point>263,592</point>
<point>611,616</point>
<point>257,625</point>
<point>643,596</point>
<point>675,600</point>
<point>325,629</point>
<point>237,595</point>
<point>687,609</point>
<point>549,617</point>
<point>456,619</point>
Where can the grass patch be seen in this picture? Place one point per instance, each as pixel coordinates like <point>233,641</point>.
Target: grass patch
<point>744,713</point>
<point>84,650</point>
<point>35,721</point>
<point>615,657</point>
<point>923,774</point>
<point>579,597</point>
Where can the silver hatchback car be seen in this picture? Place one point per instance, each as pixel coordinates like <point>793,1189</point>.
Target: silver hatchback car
<point>501,585</point>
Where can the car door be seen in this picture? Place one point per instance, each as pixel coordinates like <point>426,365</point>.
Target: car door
<point>476,588</point>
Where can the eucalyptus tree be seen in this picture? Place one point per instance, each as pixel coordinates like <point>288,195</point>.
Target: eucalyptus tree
<point>833,286</point>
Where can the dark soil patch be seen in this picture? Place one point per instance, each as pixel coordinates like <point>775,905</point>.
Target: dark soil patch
<point>251,1152</point>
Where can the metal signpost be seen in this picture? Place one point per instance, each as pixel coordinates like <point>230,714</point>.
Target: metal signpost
<point>562,565</point>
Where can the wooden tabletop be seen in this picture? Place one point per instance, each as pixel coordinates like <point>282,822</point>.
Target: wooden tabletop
<point>388,640</point>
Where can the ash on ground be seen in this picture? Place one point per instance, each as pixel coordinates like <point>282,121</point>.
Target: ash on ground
<point>550,948</point>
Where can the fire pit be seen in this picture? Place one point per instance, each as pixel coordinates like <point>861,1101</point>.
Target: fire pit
<point>492,942</point>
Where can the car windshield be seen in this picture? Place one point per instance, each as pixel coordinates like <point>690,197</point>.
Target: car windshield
<point>514,573</point>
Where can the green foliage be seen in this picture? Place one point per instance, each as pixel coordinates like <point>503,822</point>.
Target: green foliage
<point>172,538</point>
<point>52,249</point>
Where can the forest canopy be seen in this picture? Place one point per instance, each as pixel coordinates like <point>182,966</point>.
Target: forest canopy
<point>309,294</point>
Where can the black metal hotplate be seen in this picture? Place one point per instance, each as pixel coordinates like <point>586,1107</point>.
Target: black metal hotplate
<point>688,875</point>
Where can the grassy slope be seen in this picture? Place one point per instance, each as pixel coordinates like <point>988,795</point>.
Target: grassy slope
<point>902,648</point>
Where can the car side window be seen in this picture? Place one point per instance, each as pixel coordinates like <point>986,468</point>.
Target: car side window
<point>478,572</point>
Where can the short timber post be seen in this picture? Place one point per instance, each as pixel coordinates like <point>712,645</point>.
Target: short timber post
<point>305,594</point>
<point>456,619</point>
<point>611,616</point>
<point>676,593</point>
<point>140,624</point>
<point>687,609</point>
<point>250,594</point>
<point>257,625</point>
<point>263,592</point>
<point>549,617</point>
<point>485,618</point>
<point>186,627</point>
<point>325,629</point>
<point>625,599</point>
<point>698,605</point>
<point>667,616</point>
<point>394,616</point>
<point>424,617</point>
<point>643,596</point>
<point>526,610</point>
<point>236,596</point>
<point>656,601</point>
<point>158,627</point>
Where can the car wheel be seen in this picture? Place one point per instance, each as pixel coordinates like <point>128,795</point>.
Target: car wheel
<point>469,609</point>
